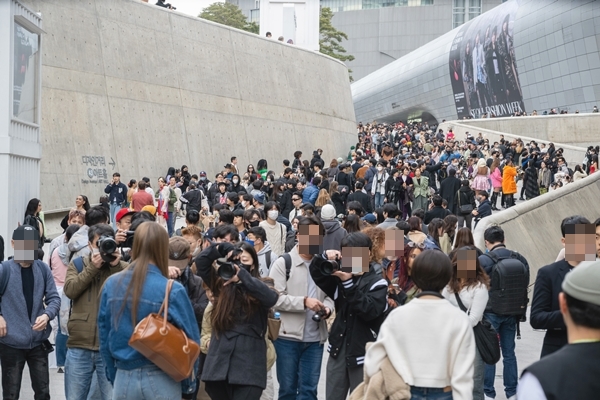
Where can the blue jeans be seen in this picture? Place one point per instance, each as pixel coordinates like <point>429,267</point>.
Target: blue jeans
<point>147,382</point>
<point>298,369</point>
<point>171,223</point>
<point>379,200</point>
<point>80,366</point>
<point>421,393</point>
<point>114,209</point>
<point>506,326</point>
<point>60,346</point>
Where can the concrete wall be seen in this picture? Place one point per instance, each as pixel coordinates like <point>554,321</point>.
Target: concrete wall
<point>581,130</point>
<point>573,153</point>
<point>533,227</point>
<point>135,88</point>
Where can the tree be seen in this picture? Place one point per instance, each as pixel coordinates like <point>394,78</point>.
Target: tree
<point>230,15</point>
<point>331,38</point>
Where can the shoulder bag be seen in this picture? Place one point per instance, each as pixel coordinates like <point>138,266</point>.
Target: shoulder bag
<point>164,344</point>
<point>486,338</point>
<point>464,208</point>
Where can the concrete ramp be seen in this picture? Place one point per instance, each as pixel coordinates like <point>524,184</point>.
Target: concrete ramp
<point>533,227</point>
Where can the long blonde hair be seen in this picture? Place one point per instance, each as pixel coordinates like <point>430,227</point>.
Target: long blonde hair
<point>150,246</point>
<point>323,198</point>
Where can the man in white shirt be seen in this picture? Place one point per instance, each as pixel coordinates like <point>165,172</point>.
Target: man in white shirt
<point>276,232</point>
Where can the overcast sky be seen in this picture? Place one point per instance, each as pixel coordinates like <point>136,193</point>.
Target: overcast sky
<point>191,7</point>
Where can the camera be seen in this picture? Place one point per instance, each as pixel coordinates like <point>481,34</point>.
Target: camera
<point>328,267</point>
<point>107,246</point>
<point>128,243</point>
<point>318,316</point>
<point>226,266</point>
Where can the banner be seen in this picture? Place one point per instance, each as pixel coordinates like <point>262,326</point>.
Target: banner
<point>483,69</point>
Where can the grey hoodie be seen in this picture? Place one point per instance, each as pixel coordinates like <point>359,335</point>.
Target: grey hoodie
<point>78,245</point>
<point>334,233</point>
<point>264,267</point>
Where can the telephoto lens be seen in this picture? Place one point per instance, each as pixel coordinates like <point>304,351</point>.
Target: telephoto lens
<point>328,267</point>
<point>226,269</point>
<point>107,246</point>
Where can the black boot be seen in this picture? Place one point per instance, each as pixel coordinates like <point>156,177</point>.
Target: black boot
<point>494,201</point>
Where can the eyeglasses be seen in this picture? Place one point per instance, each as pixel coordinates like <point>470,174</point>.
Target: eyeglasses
<point>295,199</point>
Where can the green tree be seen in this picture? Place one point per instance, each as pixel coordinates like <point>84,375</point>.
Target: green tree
<point>331,39</point>
<point>230,15</point>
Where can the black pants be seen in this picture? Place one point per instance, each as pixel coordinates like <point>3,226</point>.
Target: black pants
<point>13,361</point>
<point>222,390</point>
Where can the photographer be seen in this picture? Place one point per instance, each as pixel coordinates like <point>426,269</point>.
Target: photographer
<point>236,363</point>
<point>304,309</point>
<point>83,284</point>
<point>360,296</point>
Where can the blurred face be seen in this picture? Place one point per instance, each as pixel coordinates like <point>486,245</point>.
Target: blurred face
<point>355,260</point>
<point>580,242</point>
<point>26,246</point>
<point>295,224</point>
<point>394,243</point>
<point>310,240</point>
<point>466,267</point>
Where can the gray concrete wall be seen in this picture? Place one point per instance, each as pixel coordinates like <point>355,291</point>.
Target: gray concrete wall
<point>580,130</point>
<point>573,152</point>
<point>147,88</point>
<point>533,227</point>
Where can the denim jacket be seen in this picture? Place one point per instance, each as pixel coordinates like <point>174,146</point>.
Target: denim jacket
<point>115,330</point>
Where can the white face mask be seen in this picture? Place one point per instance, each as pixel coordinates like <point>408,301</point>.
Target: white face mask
<point>235,181</point>
<point>244,204</point>
<point>273,214</point>
<point>379,168</point>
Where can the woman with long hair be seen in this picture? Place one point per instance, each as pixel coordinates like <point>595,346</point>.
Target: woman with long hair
<point>32,218</point>
<point>594,166</point>
<point>82,204</point>
<point>446,240</point>
<point>470,283</point>
<point>262,168</point>
<point>404,280</point>
<point>352,223</point>
<point>544,178</point>
<point>416,234</point>
<point>435,230</point>
<point>236,362</point>
<point>530,181</point>
<point>481,180</point>
<point>496,178</point>
<point>579,173</point>
<point>322,199</point>
<point>338,199</point>
<point>126,299</point>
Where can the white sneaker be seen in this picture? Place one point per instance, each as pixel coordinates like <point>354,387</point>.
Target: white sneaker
<point>513,397</point>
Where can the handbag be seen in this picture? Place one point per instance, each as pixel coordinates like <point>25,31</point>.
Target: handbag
<point>486,338</point>
<point>273,326</point>
<point>164,344</point>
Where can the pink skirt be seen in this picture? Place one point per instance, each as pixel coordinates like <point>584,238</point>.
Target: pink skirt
<point>480,182</point>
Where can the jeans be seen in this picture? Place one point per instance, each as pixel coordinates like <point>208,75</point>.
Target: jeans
<point>421,393</point>
<point>13,361</point>
<point>60,346</point>
<point>114,209</point>
<point>298,369</point>
<point>80,366</point>
<point>171,223</point>
<point>147,382</point>
<point>478,376</point>
<point>506,326</point>
<point>379,197</point>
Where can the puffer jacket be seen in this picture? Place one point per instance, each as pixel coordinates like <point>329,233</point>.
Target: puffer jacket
<point>509,185</point>
<point>84,290</point>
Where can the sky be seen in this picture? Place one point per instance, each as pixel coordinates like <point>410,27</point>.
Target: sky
<point>191,7</point>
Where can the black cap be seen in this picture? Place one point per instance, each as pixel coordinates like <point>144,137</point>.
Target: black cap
<point>26,232</point>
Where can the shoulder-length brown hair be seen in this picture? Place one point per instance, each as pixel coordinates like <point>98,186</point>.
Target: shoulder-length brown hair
<point>464,237</point>
<point>457,284</point>
<point>150,246</point>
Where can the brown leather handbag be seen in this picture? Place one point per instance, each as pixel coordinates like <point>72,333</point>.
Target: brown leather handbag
<point>164,344</point>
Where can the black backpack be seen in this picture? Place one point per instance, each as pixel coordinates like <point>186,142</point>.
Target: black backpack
<point>509,283</point>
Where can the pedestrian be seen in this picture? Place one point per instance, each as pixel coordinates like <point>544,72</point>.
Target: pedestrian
<point>117,196</point>
<point>465,199</point>
<point>126,299</point>
<point>33,218</point>
<point>509,184</point>
<point>530,181</point>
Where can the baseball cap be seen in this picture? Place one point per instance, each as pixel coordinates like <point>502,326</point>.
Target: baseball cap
<point>583,282</point>
<point>202,173</point>
<point>123,212</point>
<point>150,209</point>
<point>26,232</point>
<point>179,252</point>
<point>370,218</point>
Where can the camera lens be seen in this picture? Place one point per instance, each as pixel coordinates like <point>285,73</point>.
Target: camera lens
<point>107,245</point>
<point>328,267</point>
<point>316,317</point>
<point>226,269</point>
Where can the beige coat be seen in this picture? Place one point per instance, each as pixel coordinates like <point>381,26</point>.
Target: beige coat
<point>386,384</point>
<point>291,298</point>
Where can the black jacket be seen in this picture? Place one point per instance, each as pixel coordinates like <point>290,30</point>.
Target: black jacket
<point>286,202</point>
<point>238,356</point>
<point>360,306</point>
<point>484,210</point>
<point>363,199</point>
<point>467,196</point>
<point>448,189</point>
<point>545,311</point>
<point>193,199</point>
<point>435,212</point>
<point>339,202</point>
<point>193,285</point>
<point>344,179</point>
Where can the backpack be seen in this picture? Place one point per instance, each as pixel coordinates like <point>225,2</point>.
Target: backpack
<point>509,282</point>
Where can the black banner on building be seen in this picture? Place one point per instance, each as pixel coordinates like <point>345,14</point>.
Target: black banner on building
<point>483,69</point>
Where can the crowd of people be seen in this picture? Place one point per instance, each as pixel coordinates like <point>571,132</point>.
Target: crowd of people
<point>371,253</point>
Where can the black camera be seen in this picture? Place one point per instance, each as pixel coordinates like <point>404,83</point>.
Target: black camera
<point>319,316</point>
<point>328,267</point>
<point>226,266</point>
<point>128,243</point>
<point>107,246</point>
